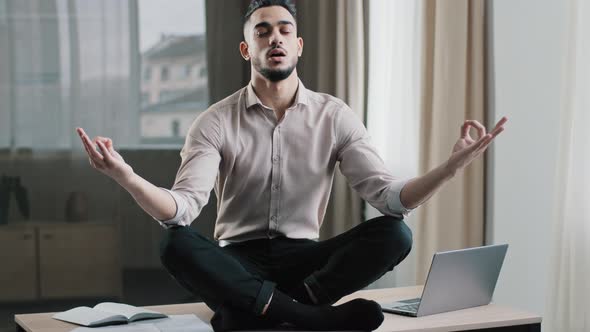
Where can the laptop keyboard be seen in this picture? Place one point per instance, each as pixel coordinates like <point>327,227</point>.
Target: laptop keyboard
<point>409,307</point>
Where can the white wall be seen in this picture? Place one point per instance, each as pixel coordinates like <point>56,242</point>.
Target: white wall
<point>526,58</point>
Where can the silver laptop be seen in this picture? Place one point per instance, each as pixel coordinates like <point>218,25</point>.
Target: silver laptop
<point>457,279</point>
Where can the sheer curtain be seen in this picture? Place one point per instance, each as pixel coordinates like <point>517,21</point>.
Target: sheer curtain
<point>5,78</point>
<point>426,76</point>
<point>67,63</point>
<point>569,290</point>
<point>393,109</point>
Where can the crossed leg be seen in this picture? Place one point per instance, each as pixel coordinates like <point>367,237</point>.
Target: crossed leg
<point>237,282</point>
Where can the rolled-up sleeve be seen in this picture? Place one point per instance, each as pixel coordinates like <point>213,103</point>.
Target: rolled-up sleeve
<point>200,158</point>
<point>180,210</point>
<point>364,169</point>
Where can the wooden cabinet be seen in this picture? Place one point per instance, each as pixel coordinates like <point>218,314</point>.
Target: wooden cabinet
<point>79,260</point>
<point>18,264</point>
<point>64,261</point>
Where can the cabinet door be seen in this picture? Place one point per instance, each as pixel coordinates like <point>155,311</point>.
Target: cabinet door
<point>18,262</point>
<point>79,260</point>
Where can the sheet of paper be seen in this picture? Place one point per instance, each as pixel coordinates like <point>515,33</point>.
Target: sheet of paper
<point>181,323</point>
<point>174,323</point>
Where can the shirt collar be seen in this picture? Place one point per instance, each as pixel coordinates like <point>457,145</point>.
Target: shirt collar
<point>301,96</point>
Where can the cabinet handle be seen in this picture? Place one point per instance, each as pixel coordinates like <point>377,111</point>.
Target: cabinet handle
<point>27,236</point>
<point>47,236</point>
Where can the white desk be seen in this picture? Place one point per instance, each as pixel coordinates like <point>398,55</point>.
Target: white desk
<point>486,318</point>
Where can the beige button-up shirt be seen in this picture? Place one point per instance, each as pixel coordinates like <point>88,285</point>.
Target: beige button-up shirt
<point>273,177</point>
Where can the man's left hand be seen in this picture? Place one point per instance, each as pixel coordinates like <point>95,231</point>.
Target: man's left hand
<point>467,148</point>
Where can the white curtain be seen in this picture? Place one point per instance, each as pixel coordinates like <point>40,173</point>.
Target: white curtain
<point>5,77</point>
<point>393,108</point>
<point>71,63</point>
<point>568,305</point>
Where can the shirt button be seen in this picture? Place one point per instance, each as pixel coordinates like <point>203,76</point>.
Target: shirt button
<point>273,218</point>
<point>275,159</point>
<point>275,188</point>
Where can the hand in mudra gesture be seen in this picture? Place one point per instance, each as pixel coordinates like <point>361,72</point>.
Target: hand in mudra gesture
<point>467,148</point>
<point>103,156</point>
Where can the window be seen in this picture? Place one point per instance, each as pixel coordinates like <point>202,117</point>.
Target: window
<point>174,40</point>
<point>178,73</point>
<point>2,11</point>
<point>71,63</point>
<point>145,99</point>
<point>171,95</point>
<point>175,128</point>
<point>164,73</point>
<point>147,74</point>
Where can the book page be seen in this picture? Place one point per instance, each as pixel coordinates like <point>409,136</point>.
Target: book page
<point>174,323</point>
<point>87,316</point>
<point>127,310</point>
<point>120,328</point>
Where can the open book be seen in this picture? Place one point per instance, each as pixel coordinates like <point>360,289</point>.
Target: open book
<point>106,313</point>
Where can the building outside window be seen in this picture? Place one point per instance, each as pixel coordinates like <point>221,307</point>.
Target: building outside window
<point>175,128</point>
<point>177,97</point>
<point>87,71</point>
<point>164,73</point>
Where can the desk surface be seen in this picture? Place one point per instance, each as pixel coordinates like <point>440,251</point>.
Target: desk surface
<point>488,316</point>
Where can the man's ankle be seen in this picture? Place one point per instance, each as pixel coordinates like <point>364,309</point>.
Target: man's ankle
<point>267,304</point>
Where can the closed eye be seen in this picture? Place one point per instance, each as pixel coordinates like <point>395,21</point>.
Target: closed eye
<point>262,33</point>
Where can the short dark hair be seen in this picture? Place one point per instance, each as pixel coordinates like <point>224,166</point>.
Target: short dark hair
<point>257,4</point>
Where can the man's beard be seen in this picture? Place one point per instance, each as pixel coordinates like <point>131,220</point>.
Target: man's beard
<point>274,75</point>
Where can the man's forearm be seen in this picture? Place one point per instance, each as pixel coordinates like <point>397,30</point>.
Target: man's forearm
<point>419,189</point>
<point>153,200</point>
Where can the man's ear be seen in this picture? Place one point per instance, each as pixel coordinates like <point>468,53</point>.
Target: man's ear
<point>299,46</point>
<point>244,51</point>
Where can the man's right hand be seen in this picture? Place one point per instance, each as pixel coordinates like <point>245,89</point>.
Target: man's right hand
<point>108,161</point>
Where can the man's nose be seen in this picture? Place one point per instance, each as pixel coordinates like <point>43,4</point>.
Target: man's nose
<point>275,38</point>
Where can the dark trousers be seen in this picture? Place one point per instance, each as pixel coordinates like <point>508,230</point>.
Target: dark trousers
<point>244,275</point>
